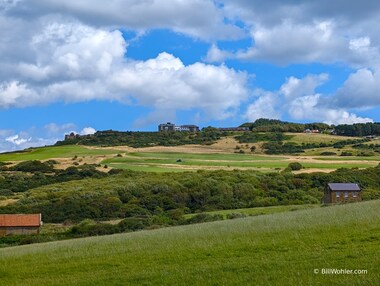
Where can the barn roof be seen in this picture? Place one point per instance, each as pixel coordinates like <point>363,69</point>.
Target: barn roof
<point>20,219</point>
<point>344,187</point>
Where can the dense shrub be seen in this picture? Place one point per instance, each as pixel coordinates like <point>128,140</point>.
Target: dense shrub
<point>328,153</point>
<point>203,217</point>
<point>295,166</point>
<point>236,215</point>
<point>133,224</point>
<point>33,166</point>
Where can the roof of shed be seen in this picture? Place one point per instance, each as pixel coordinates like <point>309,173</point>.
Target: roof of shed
<point>344,187</point>
<point>20,219</point>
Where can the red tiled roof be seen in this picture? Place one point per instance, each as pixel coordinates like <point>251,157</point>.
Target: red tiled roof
<point>20,220</point>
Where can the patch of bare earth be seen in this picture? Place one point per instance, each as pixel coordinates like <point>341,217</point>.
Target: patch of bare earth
<point>7,202</point>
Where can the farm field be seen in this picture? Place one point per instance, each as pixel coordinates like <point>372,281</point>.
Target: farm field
<point>317,138</point>
<point>289,248</point>
<point>168,161</point>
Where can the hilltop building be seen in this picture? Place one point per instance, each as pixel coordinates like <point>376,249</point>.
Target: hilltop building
<point>311,131</point>
<point>20,224</point>
<point>341,193</point>
<point>71,136</point>
<point>172,127</point>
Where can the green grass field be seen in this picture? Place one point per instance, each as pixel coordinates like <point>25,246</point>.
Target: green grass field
<point>317,138</point>
<point>50,152</point>
<point>167,162</point>
<point>290,248</point>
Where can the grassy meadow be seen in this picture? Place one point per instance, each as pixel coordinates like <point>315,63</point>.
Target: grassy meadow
<point>289,248</point>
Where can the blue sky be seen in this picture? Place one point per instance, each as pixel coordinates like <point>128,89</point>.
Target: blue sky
<point>129,65</point>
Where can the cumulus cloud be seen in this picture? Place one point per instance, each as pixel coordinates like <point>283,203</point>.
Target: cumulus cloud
<point>309,108</point>
<point>360,90</point>
<point>295,87</point>
<point>17,140</point>
<point>88,131</point>
<point>15,93</point>
<point>287,32</point>
<point>298,99</point>
<point>74,63</point>
<point>197,18</point>
<point>215,55</point>
<point>165,83</point>
<point>264,106</point>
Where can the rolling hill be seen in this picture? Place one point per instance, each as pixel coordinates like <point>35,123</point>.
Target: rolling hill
<point>293,248</point>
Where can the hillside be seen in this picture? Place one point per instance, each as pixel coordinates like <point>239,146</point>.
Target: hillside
<point>277,249</point>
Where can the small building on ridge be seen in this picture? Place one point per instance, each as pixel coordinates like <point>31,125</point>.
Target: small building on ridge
<point>341,193</point>
<point>16,224</point>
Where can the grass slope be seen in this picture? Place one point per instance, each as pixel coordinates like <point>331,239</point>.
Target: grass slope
<point>51,152</point>
<point>277,249</point>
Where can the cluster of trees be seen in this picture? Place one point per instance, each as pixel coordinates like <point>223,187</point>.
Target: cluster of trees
<point>279,147</point>
<point>145,139</point>
<point>274,125</point>
<point>32,174</point>
<point>358,129</point>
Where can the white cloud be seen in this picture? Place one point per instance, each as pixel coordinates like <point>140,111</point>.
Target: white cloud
<point>265,106</point>
<point>298,99</point>
<point>87,131</point>
<point>15,93</point>
<point>308,108</point>
<point>360,90</point>
<point>295,87</point>
<point>288,32</point>
<point>197,18</point>
<point>17,140</point>
<point>165,83</point>
<point>215,55</point>
<point>74,63</point>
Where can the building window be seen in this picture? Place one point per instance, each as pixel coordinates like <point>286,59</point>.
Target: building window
<point>338,194</point>
<point>354,194</point>
<point>346,195</point>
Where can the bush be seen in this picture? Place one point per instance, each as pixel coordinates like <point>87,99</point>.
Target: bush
<point>202,217</point>
<point>133,224</point>
<point>6,192</point>
<point>236,215</point>
<point>33,166</point>
<point>295,166</point>
<point>89,228</point>
<point>327,153</point>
